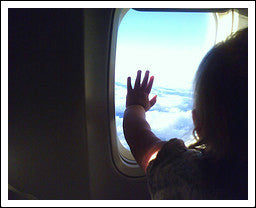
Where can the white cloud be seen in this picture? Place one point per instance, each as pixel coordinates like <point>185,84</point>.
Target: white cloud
<point>172,124</point>
<point>119,131</point>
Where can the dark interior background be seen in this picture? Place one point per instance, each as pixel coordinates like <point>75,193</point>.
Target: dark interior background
<point>46,103</point>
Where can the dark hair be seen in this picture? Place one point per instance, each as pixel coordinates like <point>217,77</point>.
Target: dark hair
<point>221,97</point>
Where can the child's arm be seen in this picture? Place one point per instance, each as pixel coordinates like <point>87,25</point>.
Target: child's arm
<point>141,140</point>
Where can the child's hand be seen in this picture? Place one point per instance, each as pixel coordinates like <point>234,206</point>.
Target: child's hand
<point>139,95</point>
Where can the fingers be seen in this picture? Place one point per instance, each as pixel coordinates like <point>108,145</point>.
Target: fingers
<point>137,81</point>
<point>153,101</point>
<point>144,85</point>
<point>129,85</point>
<point>145,80</point>
<point>149,87</point>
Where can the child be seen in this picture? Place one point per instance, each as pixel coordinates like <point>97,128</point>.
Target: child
<point>216,166</point>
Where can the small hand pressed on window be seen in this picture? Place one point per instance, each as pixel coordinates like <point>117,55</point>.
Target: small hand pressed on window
<point>139,95</point>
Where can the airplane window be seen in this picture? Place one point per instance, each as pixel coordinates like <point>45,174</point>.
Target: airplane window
<point>170,45</point>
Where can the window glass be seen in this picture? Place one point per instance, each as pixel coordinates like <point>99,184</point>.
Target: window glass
<point>170,45</point>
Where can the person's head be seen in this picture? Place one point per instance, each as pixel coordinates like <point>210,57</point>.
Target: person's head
<point>220,112</point>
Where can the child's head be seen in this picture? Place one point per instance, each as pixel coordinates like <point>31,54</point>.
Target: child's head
<point>221,97</point>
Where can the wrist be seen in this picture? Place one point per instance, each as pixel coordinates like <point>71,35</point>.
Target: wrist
<point>134,112</point>
<point>136,106</point>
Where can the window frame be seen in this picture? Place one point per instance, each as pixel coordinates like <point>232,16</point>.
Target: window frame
<point>122,158</point>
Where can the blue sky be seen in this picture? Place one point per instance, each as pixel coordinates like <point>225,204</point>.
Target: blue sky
<point>158,27</point>
<point>170,45</point>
